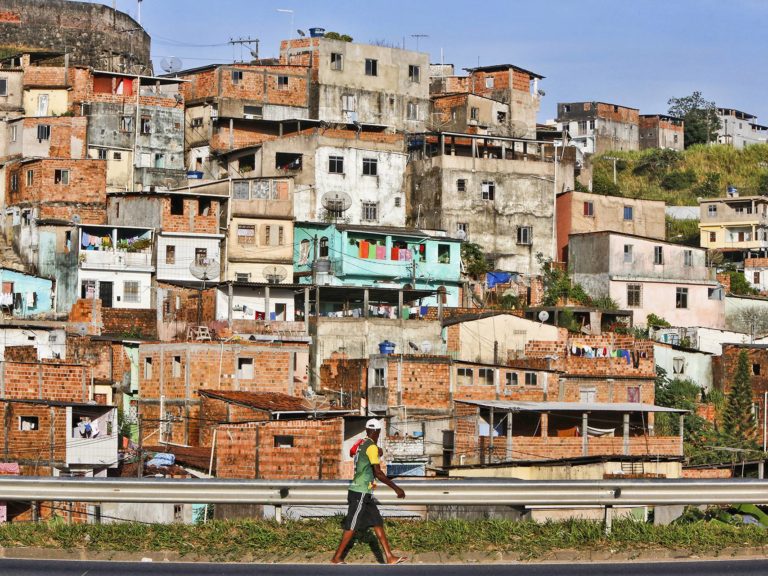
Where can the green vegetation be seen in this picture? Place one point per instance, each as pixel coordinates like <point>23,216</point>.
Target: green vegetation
<point>559,289</point>
<point>739,419</point>
<point>683,231</point>
<point>475,263</point>
<point>656,321</point>
<point>700,115</point>
<point>316,539</point>
<point>679,178</point>
<point>337,36</point>
<point>739,284</point>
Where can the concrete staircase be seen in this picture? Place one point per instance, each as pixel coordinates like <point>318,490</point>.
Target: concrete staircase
<point>9,258</point>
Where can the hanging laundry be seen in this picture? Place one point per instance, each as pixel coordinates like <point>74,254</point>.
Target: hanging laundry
<point>381,252</point>
<point>364,249</point>
<point>30,298</point>
<point>86,240</point>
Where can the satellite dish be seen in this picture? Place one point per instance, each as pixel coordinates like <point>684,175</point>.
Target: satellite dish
<point>275,274</point>
<point>461,234</point>
<point>301,33</point>
<point>518,129</point>
<point>205,269</point>
<point>82,330</point>
<point>336,202</point>
<point>76,219</point>
<point>426,347</point>
<point>171,65</point>
<point>543,316</point>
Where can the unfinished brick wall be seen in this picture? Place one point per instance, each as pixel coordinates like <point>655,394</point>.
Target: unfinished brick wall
<point>134,323</point>
<point>89,213</point>
<point>64,131</point>
<point>179,370</point>
<point>617,113</point>
<point>424,382</point>
<point>465,438</point>
<point>46,380</point>
<point>350,377</point>
<point>87,181</point>
<point>241,135</point>
<point>33,447</point>
<point>20,354</point>
<point>214,411</point>
<point>251,450</point>
<point>191,220</point>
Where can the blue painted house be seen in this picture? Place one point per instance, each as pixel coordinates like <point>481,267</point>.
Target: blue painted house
<point>24,295</point>
<point>378,256</point>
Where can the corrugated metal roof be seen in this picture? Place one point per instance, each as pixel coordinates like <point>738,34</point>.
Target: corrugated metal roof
<point>570,406</point>
<point>266,401</point>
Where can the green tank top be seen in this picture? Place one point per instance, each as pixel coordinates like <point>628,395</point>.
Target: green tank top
<point>363,479</point>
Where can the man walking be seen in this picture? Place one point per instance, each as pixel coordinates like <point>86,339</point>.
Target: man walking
<point>363,512</point>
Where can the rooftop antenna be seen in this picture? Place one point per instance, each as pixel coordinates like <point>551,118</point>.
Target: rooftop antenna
<point>243,41</point>
<point>418,36</point>
<point>171,65</point>
<point>204,269</point>
<point>138,11</point>
<point>288,11</point>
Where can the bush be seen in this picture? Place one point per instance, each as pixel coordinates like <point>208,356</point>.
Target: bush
<point>678,179</point>
<point>603,184</point>
<point>657,321</point>
<point>710,186</point>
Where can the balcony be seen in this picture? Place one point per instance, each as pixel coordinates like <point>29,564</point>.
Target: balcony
<point>116,260</point>
<point>92,435</point>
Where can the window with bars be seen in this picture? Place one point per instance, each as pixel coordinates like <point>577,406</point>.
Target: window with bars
<point>246,234</point>
<point>634,295</point>
<point>131,291</point>
<point>524,235</point>
<point>488,190</point>
<point>371,211</point>
<point>43,132</point>
<point>461,185</point>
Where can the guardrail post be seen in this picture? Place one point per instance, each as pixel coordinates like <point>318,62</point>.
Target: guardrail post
<point>35,511</point>
<point>608,519</point>
<point>279,513</point>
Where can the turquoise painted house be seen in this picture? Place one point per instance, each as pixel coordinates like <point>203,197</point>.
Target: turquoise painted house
<point>24,295</point>
<point>378,256</point>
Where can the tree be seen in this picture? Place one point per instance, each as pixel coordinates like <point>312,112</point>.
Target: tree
<point>558,284</point>
<point>475,263</point>
<point>752,320</point>
<point>700,116</point>
<point>739,420</point>
<point>337,36</point>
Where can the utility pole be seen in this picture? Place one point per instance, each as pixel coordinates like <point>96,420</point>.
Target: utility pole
<point>614,160</point>
<point>243,41</point>
<point>140,467</point>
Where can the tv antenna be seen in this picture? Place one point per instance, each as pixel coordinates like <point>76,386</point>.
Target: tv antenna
<point>205,270</point>
<point>171,65</point>
<point>335,203</point>
<point>418,36</point>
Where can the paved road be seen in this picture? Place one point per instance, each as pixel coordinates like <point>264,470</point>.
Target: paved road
<point>77,568</point>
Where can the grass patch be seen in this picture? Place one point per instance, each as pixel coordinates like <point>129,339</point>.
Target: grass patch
<point>255,539</point>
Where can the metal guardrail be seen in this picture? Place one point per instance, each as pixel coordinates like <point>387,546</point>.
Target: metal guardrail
<point>478,492</point>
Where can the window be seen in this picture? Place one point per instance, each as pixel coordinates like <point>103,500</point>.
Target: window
<point>61,177</point>
<point>474,113</point>
<point>282,82</point>
<point>283,441</point>
<point>461,185</point>
<point>204,206</point>
<point>465,376</point>
<point>628,212</point>
<point>678,365</point>
<point>101,153</point>
<point>687,257</point>
<point>245,368</point>
<point>512,379</point>
<point>633,295</point>
<point>237,76</point>
<point>633,394</point>
<point>370,166</point>
<point>530,378</point>
<point>126,124</point>
<point>246,163</point>
<point>589,209</point>
<point>146,125</point>
<point>177,206</point>
<point>371,67</point>
<point>412,111</point>
<point>3,87</point>
<point>712,210</point>
<point>378,377</point>
<point>587,395</point>
<point>14,182</point>
<point>196,122</point>
<point>713,236</point>
<point>524,235</point>
<point>176,370</point>
<point>13,133</point>
<point>398,201</point>
<point>336,164</point>
<point>337,61</point>
<point>240,191</point>
<point>414,73</point>
<point>159,160</point>
<point>147,368</point>
<point>246,234</point>
<point>324,247</point>
<point>30,177</point>
<point>463,227</point>
<point>43,132</point>
<point>242,276</point>
<point>253,111</point>
<point>681,298</point>
<point>756,278</point>
<point>444,253</point>
<point>201,256</point>
<point>370,211</point>
<point>349,104</point>
<point>756,369</point>
<point>485,376</point>
<point>658,255</point>
<point>501,117</point>
<point>489,81</point>
<point>131,291</point>
<point>488,190</point>
<point>170,254</point>
<point>29,423</point>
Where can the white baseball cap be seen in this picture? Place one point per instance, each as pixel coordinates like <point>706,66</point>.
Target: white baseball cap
<point>373,424</point>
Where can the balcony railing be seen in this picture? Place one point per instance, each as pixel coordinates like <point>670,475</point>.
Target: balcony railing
<point>115,259</point>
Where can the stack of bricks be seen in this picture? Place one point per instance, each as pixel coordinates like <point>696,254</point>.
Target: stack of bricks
<point>280,450</point>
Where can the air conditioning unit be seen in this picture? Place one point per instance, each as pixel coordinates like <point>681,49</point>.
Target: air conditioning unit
<point>249,116</point>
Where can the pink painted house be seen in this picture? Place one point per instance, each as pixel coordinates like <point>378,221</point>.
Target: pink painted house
<point>648,275</point>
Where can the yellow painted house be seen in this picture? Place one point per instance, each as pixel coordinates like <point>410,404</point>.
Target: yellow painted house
<point>735,224</point>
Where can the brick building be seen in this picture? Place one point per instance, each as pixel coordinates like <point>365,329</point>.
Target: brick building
<point>599,127</point>
<point>661,131</point>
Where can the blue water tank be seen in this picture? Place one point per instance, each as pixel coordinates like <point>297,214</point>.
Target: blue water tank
<point>316,32</point>
<point>386,347</point>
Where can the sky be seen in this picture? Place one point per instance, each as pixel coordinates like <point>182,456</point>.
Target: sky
<point>638,54</point>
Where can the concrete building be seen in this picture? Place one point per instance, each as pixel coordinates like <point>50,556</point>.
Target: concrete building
<point>740,129</point>
<point>736,225</point>
<point>648,276</point>
<point>472,114</point>
<point>25,295</point>
<point>661,131</point>
<point>495,192</point>
<point>378,256</point>
<point>685,364</point>
<point>48,338</point>
<point>504,84</point>
<point>579,212</point>
<point>362,83</point>
<point>599,127</point>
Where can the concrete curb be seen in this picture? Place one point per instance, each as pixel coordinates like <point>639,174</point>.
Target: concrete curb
<point>491,557</point>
